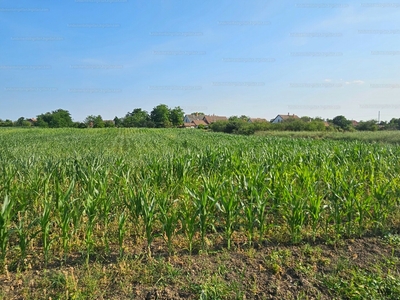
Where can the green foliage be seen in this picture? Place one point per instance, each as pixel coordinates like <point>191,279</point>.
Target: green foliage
<point>160,116</point>
<point>94,122</point>
<point>176,116</point>
<point>56,119</point>
<point>367,125</point>
<point>137,118</point>
<point>6,123</point>
<point>342,122</point>
<point>359,284</point>
<point>90,191</point>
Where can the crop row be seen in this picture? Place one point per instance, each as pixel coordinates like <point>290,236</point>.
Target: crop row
<point>67,191</point>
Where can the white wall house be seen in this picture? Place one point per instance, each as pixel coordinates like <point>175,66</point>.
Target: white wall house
<point>282,118</point>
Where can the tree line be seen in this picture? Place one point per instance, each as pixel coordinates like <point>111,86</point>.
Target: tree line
<point>160,117</point>
<point>241,125</point>
<point>164,117</point>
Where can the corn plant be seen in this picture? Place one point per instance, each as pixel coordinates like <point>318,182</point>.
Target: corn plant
<point>23,229</point>
<point>5,221</point>
<point>121,233</point>
<point>188,218</point>
<point>91,215</point>
<point>204,204</point>
<point>148,209</point>
<point>65,218</point>
<point>294,212</point>
<point>169,219</point>
<point>72,188</point>
<point>228,204</point>
<point>45,223</point>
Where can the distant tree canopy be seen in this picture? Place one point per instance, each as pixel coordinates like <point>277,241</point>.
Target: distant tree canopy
<point>394,124</point>
<point>367,125</point>
<point>176,116</point>
<point>137,118</point>
<point>94,121</point>
<point>56,119</point>
<point>164,117</point>
<point>6,123</point>
<point>342,122</point>
<point>240,125</point>
<point>22,122</point>
<point>160,116</point>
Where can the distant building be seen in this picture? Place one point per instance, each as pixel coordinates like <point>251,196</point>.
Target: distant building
<point>197,119</point>
<point>191,118</point>
<point>354,123</point>
<point>213,118</point>
<point>282,118</point>
<point>32,121</point>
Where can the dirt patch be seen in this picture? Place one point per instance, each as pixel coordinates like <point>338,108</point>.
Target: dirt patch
<point>268,272</point>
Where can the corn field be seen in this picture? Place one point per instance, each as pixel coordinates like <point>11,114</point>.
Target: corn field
<point>68,191</point>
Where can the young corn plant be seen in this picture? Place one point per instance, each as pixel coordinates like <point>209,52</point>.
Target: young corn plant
<point>121,233</point>
<point>381,205</point>
<point>203,203</point>
<point>65,218</point>
<point>188,218</point>
<point>6,216</point>
<point>24,232</point>
<point>249,209</point>
<point>91,215</point>
<point>45,223</point>
<point>169,219</point>
<point>294,213</point>
<point>148,205</point>
<point>228,204</point>
<point>315,209</point>
<point>105,205</point>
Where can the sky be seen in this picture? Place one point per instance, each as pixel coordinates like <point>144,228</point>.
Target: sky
<point>257,58</point>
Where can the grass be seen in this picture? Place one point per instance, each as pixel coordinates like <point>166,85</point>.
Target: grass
<point>392,137</point>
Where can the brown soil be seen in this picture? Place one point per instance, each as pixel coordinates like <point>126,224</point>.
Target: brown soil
<point>262,272</point>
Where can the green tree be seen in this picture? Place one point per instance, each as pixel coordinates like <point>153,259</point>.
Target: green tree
<point>219,126</point>
<point>137,118</point>
<point>56,119</point>
<point>117,122</point>
<point>6,123</point>
<point>20,122</point>
<point>160,115</point>
<point>94,121</point>
<point>394,124</point>
<point>367,125</point>
<point>342,122</point>
<point>305,119</point>
<point>109,124</point>
<point>176,116</point>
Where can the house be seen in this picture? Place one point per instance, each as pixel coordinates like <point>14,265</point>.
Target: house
<point>282,118</point>
<point>213,118</point>
<point>254,120</point>
<point>32,121</point>
<point>190,118</point>
<point>354,123</point>
<point>205,120</point>
<point>188,125</point>
<point>199,122</point>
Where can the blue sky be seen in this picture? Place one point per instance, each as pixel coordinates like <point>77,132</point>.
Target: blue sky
<point>256,57</point>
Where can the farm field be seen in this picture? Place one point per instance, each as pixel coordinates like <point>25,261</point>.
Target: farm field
<point>170,214</point>
<point>392,137</point>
